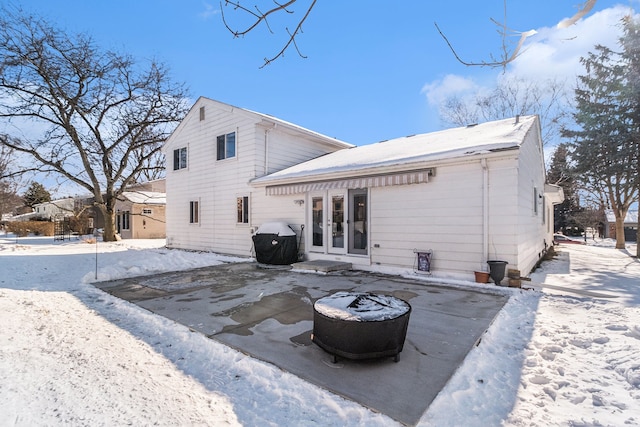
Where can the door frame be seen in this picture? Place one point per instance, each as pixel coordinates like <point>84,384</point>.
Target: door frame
<point>323,220</point>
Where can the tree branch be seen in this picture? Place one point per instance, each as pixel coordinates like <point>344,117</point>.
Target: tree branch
<point>260,17</point>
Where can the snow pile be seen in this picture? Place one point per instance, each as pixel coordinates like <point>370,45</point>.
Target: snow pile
<point>72,354</point>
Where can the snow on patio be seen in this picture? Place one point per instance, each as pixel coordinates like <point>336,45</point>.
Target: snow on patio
<point>72,354</point>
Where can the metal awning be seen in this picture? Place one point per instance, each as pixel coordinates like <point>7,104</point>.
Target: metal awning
<point>407,178</point>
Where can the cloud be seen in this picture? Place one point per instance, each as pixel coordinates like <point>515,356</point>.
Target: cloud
<point>450,85</point>
<point>551,53</point>
<point>555,52</point>
<point>209,11</point>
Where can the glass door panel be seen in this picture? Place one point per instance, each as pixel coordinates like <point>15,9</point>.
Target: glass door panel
<point>337,221</point>
<point>317,213</point>
<point>358,224</point>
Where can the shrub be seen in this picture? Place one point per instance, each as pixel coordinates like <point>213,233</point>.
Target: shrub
<point>24,228</point>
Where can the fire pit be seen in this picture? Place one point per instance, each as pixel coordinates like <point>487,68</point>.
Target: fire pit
<point>360,325</point>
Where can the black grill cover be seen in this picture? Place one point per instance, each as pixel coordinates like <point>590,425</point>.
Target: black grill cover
<point>275,243</point>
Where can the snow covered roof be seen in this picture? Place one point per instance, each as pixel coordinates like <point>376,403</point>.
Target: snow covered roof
<point>631,218</point>
<point>447,144</point>
<point>285,123</point>
<point>270,120</point>
<point>146,197</point>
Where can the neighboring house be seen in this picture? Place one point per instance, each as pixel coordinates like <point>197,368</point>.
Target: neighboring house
<point>630,225</point>
<point>55,209</point>
<point>470,194</point>
<point>141,214</point>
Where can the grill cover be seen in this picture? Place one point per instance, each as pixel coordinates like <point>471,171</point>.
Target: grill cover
<point>275,243</point>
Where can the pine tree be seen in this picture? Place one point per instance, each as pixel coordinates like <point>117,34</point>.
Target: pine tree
<point>36,193</point>
<point>630,43</point>
<point>559,173</point>
<point>601,150</point>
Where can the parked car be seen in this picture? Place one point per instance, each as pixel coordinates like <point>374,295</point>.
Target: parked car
<point>561,238</point>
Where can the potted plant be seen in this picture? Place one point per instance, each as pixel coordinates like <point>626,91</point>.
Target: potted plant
<point>481,276</point>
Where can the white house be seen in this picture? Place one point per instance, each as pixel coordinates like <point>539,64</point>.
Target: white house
<point>469,194</point>
<point>55,209</point>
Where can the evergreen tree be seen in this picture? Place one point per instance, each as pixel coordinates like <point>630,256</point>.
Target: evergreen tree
<point>36,193</point>
<point>559,173</point>
<point>630,43</point>
<point>602,151</point>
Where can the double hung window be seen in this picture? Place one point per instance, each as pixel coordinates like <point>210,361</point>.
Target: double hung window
<point>179,158</point>
<point>226,146</point>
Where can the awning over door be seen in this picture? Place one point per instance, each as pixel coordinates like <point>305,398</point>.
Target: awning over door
<point>407,178</point>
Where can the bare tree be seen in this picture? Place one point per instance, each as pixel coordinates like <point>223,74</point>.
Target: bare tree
<point>104,116</point>
<point>511,97</point>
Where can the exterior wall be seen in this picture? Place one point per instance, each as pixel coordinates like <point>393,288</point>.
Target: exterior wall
<point>157,186</point>
<point>261,147</point>
<point>535,214</point>
<point>426,216</point>
<point>148,226</point>
<point>289,209</point>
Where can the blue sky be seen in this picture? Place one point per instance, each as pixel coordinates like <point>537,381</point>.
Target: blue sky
<point>374,70</point>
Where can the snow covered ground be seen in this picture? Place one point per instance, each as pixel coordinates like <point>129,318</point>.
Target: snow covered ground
<point>71,354</point>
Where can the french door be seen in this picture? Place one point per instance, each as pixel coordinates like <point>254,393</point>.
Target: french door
<point>339,221</point>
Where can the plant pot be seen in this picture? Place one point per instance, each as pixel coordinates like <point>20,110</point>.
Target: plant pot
<point>497,270</point>
<point>481,276</point>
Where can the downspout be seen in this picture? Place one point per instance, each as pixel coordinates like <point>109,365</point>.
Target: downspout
<point>266,151</point>
<point>485,213</point>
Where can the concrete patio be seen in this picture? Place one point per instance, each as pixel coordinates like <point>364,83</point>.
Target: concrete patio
<point>268,314</point>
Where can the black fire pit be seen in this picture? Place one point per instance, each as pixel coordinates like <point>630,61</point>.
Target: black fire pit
<point>360,325</point>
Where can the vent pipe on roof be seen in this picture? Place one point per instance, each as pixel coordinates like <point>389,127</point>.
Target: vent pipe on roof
<point>517,118</point>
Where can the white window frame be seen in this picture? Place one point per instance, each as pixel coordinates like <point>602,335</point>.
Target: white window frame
<point>194,212</point>
<point>179,160</point>
<point>242,210</point>
<point>223,155</point>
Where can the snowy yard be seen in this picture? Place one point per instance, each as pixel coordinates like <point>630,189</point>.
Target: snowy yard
<point>71,354</point>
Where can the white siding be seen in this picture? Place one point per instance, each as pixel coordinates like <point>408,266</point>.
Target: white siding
<point>216,184</point>
<point>447,216</point>
<point>533,229</point>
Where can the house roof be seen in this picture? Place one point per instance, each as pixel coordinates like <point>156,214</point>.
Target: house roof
<point>145,197</point>
<point>293,126</point>
<point>631,218</point>
<point>404,152</point>
<point>266,118</point>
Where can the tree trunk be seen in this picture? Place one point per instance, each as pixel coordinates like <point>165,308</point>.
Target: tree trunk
<point>109,234</point>
<point>620,242</point>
